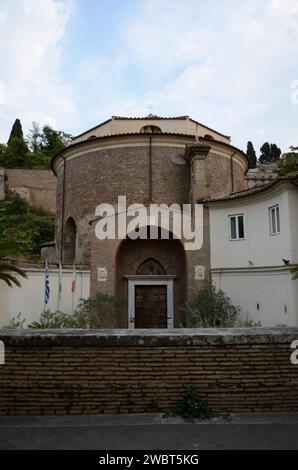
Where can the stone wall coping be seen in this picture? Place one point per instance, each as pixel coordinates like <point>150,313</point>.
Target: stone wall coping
<point>146,338</point>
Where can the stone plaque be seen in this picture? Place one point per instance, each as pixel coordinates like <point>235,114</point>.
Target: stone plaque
<point>199,273</point>
<point>102,274</point>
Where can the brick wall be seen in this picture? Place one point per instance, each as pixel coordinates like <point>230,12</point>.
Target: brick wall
<point>50,372</point>
<point>99,171</point>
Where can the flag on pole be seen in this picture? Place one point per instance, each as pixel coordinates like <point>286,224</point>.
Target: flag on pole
<point>74,281</point>
<point>47,284</point>
<point>73,287</point>
<point>59,285</point>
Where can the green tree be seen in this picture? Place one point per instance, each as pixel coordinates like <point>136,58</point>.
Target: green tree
<point>288,163</point>
<point>251,154</point>
<point>35,152</point>
<point>16,131</point>
<point>8,247</point>
<point>270,153</point>
<point>45,144</point>
<point>265,156</point>
<point>275,153</point>
<point>53,141</point>
<point>210,307</point>
<point>34,137</point>
<point>8,273</point>
<point>3,148</point>
<point>23,228</point>
<point>16,154</point>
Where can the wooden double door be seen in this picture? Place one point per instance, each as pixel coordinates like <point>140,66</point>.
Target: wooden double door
<point>151,306</point>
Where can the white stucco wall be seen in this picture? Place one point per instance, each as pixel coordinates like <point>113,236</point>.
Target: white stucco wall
<point>274,291</point>
<point>267,281</point>
<point>29,299</point>
<point>259,247</point>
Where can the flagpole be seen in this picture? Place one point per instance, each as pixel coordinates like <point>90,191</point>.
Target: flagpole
<point>46,285</point>
<point>72,301</point>
<point>73,287</point>
<point>59,286</point>
<point>58,299</point>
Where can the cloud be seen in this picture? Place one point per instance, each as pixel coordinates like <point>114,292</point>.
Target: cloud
<point>226,64</point>
<point>228,67</point>
<point>289,6</point>
<point>31,33</point>
<point>164,35</point>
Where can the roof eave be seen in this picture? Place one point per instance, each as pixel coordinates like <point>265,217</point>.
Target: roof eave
<point>137,134</point>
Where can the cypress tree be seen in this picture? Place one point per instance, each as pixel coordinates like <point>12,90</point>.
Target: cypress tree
<point>16,131</point>
<point>16,155</point>
<point>265,156</point>
<point>269,153</point>
<point>275,153</point>
<point>251,154</point>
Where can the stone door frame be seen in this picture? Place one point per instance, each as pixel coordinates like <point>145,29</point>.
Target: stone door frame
<point>141,280</point>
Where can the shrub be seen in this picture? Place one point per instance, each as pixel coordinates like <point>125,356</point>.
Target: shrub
<point>192,406</point>
<point>16,323</point>
<point>210,308</point>
<point>53,320</point>
<point>248,323</point>
<point>94,312</point>
<point>99,310</point>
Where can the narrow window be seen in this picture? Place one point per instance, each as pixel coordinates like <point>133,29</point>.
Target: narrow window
<point>233,228</point>
<point>274,220</point>
<point>236,227</point>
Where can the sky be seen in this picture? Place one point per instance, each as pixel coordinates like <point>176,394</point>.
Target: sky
<point>228,64</point>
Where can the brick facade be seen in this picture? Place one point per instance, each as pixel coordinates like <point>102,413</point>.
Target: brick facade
<point>102,372</point>
<point>146,169</point>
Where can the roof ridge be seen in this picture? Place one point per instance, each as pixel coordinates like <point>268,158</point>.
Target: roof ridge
<point>150,116</point>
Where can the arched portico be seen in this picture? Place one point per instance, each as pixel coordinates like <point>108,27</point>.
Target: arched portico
<point>151,277</point>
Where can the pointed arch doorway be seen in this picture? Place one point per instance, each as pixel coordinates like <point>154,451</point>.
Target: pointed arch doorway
<point>151,276</point>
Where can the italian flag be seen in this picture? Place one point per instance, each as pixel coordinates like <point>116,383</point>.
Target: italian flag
<point>73,282</point>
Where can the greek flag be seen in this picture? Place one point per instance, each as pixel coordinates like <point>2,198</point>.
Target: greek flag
<point>47,284</point>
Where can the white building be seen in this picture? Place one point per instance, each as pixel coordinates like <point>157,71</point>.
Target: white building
<point>254,245</point>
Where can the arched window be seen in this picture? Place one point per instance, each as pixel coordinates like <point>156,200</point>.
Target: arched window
<point>69,246</point>
<point>208,136</point>
<point>92,137</point>
<point>151,267</point>
<point>150,129</point>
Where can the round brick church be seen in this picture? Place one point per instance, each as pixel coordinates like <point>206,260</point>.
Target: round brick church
<point>151,160</point>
